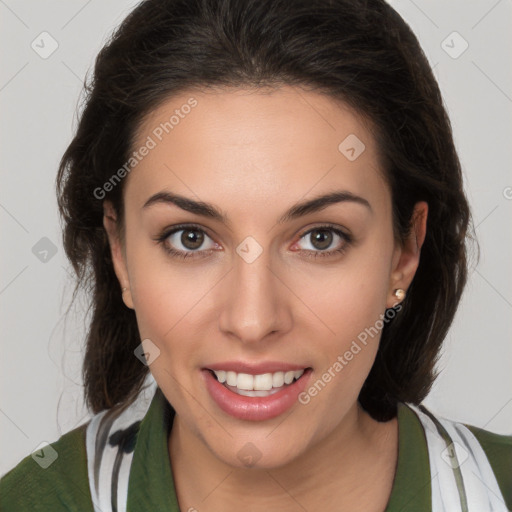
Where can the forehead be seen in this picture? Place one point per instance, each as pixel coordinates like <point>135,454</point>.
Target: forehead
<point>221,144</point>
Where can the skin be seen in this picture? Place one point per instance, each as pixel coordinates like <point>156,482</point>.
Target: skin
<point>254,154</point>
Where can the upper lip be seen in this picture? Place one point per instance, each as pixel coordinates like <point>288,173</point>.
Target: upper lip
<point>256,368</point>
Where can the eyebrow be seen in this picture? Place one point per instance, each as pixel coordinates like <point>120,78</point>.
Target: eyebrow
<point>297,210</point>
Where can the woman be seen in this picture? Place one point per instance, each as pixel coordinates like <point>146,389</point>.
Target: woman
<point>266,201</point>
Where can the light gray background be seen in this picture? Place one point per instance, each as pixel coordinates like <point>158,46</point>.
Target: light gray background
<point>41,394</point>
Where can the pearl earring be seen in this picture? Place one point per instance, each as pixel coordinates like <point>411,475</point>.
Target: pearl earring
<point>399,293</point>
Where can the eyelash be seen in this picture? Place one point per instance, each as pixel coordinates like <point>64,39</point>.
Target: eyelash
<point>161,239</point>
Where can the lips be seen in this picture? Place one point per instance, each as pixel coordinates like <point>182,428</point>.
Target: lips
<point>247,391</point>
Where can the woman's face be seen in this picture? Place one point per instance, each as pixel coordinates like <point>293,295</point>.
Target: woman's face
<point>260,285</point>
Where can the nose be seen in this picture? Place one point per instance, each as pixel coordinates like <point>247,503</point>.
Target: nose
<point>254,301</point>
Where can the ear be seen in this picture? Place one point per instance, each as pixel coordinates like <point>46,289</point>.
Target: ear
<point>117,252</point>
<point>407,256</point>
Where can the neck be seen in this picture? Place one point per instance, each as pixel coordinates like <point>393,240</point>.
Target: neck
<point>353,467</point>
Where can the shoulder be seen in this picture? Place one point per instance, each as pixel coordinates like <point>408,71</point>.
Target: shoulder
<point>498,449</point>
<point>54,478</point>
<point>487,474</point>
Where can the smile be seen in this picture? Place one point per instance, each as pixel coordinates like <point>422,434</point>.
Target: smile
<point>255,396</point>
<point>264,384</point>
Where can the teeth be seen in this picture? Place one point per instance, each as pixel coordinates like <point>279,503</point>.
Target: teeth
<point>231,378</point>
<point>263,382</point>
<point>288,377</point>
<point>221,376</point>
<point>244,381</point>
<point>277,379</point>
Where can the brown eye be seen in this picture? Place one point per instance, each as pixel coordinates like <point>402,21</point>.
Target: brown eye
<point>324,241</point>
<point>321,238</point>
<point>192,238</point>
<point>186,242</point>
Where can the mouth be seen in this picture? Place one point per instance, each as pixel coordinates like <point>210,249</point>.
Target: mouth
<point>261,385</point>
<point>255,396</point>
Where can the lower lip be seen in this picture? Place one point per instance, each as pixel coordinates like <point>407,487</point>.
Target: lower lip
<point>255,408</point>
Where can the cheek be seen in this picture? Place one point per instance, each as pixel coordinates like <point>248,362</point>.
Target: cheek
<point>167,296</point>
<point>353,313</point>
<point>351,302</point>
<point>172,309</point>
<point>350,296</point>
<point>353,310</point>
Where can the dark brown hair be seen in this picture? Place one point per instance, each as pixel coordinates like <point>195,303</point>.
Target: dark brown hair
<point>360,52</point>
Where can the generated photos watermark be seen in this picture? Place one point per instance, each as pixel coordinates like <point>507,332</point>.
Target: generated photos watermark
<point>151,142</point>
<point>344,359</point>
